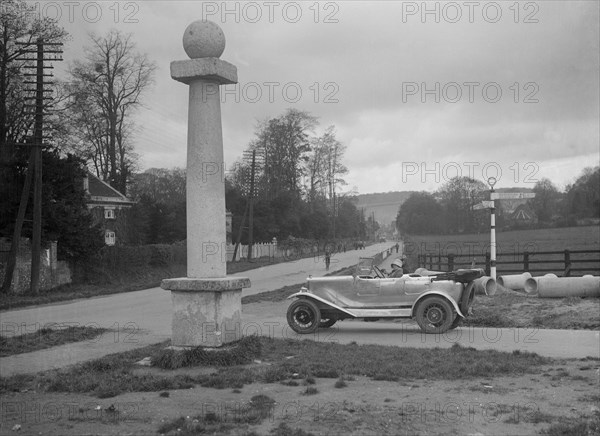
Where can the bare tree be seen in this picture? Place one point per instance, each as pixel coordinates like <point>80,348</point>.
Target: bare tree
<point>106,88</point>
<point>284,142</point>
<point>325,169</point>
<point>20,31</point>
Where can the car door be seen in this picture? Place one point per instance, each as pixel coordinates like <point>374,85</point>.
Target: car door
<point>377,292</point>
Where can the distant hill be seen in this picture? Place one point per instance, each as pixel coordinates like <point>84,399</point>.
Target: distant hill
<point>385,205</point>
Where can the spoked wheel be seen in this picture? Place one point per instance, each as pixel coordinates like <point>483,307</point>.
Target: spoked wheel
<point>304,316</point>
<point>326,323</point>
<point>435,315</point>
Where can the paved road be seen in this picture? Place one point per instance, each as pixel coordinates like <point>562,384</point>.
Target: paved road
<point>137,319</point>
<point>142,317</point>
<point>150,309</point>
<point>289,273</point>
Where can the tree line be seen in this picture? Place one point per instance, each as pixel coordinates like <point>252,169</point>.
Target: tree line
<point>88,124</point>
<point>449,210</point>
<point>294,187</point>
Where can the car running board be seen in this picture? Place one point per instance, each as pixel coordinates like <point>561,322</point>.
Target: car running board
<point>380,313</point>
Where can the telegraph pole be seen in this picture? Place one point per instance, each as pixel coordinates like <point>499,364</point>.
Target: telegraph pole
<point>251,206</point>
<point>256,163</point>
<point>34,168</point>
<point>36,239</point>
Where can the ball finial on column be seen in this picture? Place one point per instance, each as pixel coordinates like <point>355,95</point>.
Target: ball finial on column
<point>203,39</point>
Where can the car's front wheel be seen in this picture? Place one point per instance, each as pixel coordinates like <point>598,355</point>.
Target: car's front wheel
<point>303,316</point>
<point>435,315</point>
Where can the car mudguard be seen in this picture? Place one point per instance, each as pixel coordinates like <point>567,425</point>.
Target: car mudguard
<point>441,294</point>
<point>466,297</point>
<point>304,294</point>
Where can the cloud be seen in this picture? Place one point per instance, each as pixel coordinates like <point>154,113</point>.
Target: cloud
<point>399,87</point>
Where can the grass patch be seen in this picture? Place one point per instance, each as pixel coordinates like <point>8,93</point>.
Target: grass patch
<point>310,380</point>
<point>254,412</point>
<point>285,430</point>
<point>115,374</point>
<point>591,398</point>
<point>238,353</point>
<point>340,383</point>
<point>485,317</point>
<point>118,373</point>
<point>582,426</point>
<point>310,390</point>
<point>392,363</point>
<point>46,338</point>
<point>516,310</point>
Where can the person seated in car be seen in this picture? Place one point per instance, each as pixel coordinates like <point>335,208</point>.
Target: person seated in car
<point>396,269</point>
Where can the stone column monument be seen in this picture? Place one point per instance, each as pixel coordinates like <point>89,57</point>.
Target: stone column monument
<point>206,304</point>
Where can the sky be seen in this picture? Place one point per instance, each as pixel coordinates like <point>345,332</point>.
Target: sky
<point>418,92</point>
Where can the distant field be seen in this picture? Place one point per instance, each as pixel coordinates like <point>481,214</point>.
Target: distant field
<point>515,243</point>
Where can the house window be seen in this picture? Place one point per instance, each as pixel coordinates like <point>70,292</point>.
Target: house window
<point>109,214</point>
<point>109,238</point>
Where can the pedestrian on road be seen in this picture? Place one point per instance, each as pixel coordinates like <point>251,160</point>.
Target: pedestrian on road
<point>327,260</point>
<point>397,247</point>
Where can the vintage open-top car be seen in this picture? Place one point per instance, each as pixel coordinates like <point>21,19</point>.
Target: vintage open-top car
<point>437,302</point>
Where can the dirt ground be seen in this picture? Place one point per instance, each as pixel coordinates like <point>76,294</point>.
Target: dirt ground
<point>521,405</point>
<point>509,308</point>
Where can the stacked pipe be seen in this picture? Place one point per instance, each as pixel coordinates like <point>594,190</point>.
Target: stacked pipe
<point>485,286</point>
<point>560,287</point>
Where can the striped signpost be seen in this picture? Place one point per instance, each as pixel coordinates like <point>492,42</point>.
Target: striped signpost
<point>492,207</point>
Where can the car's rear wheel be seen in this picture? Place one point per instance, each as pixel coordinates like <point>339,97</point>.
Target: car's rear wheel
<point>304,316</point>
<point>435,315</point>
<point>326,323</point>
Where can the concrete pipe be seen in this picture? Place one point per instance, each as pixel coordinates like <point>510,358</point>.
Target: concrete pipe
<point>485,286</point>
<point>514,281</point>
<point>560,287</point>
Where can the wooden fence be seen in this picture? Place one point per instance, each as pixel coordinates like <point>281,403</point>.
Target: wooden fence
<point>563,263</point>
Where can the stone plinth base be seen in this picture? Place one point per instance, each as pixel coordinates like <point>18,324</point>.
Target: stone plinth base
<point>206,312</point>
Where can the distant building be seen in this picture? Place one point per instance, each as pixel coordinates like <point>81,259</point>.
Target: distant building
<point>108,208</point>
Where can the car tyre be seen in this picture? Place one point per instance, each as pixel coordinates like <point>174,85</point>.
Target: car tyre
<point>304,316</point>
<point>435,315</point>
